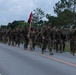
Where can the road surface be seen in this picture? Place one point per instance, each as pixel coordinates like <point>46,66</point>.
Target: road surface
<point>17,61</point>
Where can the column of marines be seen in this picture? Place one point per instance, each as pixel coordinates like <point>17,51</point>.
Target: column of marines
<point>46,37</point>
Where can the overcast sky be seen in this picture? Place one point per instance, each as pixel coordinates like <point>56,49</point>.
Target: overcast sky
<point>11,10</point>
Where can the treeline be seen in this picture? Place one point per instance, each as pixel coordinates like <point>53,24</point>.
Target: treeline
<point>64,9</point>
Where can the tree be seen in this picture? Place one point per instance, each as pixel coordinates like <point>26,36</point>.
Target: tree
<point>63,5</point>
<point>53,20</point>
<point>66,17</point>
<point>65,10</point>
<point>38,14</point>
<point>17,24</point>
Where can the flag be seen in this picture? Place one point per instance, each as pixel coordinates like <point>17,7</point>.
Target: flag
<point>30,18</point>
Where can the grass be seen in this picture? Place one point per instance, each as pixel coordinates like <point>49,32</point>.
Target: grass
<point>67,47</point>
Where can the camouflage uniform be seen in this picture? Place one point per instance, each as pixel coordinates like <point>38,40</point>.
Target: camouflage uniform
<point>32,39</point>
<point>0,36</point>
<point>63,40</point>
<point>25,37</point>
<point>74,42</point>
<point>71,41</point>
<point>9,36</point>
<point>46,40</point>
<point>18,37</point>
<point>3,36</point>
<point>53,38</point>
<point>38,38</point>
<point>13,36</point>
<point>58,38</point>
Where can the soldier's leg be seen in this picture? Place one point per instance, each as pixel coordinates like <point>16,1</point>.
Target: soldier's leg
<point>34,44</point>
<point>3,38</point>
<point>27,42</point>
<point>74,48</point>
<point>0,38</point>
<point>8,40</point>
<point>40,43</point>
<point>71,46</point>
<point>50,46</point>
<point>24,43</point>
<point>54,44</point>
<point>60,45</point>
<point>44,45</point>
<point>73,52</point>
<point>13,43</point>
<point>57,45</point>
<point>16,41</point>
<point>64,44</point>
<point>12,40</point>
<point>19,40</point>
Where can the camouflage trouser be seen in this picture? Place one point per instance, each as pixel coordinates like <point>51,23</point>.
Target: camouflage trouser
<point>63,45</point>
<point>71,45</point>
<point>38,42</point>
<point>26,41</point>
<point>17,41</point>
<point>59,45</point>
<point>54,44</point>
<point>0,38</point>
<point>9,40</point>
<point>3,39</point>
<point>13,41</point>
<point>44,44</point>
<point>50,45</point>
<point>47,43</point>
<point>74,48</point>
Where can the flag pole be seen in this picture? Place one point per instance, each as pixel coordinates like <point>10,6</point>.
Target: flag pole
<point>29,21</point>
<point>30,41</point>
<point>29,31</point>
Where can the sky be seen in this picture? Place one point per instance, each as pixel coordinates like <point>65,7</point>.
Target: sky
<point>11,10</point>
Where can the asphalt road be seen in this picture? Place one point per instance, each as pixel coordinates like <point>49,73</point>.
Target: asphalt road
<point>17,61</point>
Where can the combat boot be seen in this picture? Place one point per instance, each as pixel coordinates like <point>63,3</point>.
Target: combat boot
<point>60,51</point>
<point>73,53</point>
